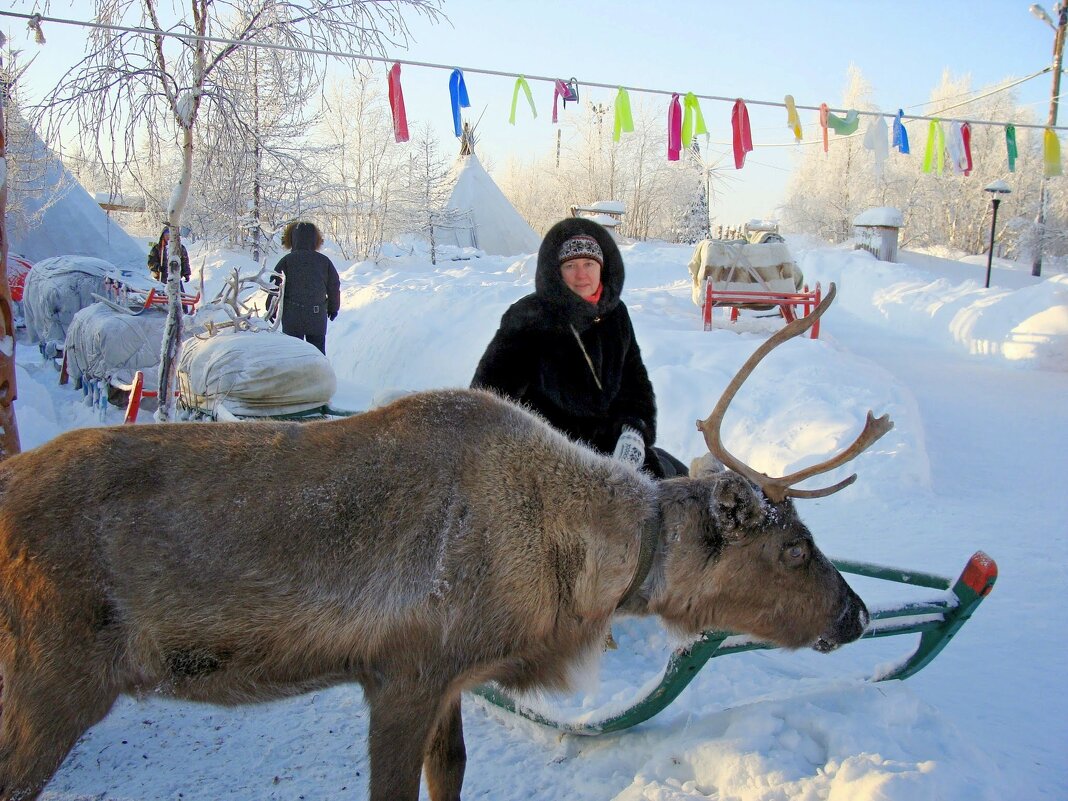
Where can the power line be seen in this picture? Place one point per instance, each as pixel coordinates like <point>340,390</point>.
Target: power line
<point>37,19</point>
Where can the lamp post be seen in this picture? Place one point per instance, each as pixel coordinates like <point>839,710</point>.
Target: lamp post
<point>996,189</point>
<point>1058,49</point>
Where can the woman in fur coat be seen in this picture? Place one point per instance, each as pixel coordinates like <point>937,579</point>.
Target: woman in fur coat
<point>568,350</point>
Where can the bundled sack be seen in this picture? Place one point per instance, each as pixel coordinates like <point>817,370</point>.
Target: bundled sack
<point>740,266</point>
<point>58,288</point>
<point>253,374</point>
<point>109,345</point>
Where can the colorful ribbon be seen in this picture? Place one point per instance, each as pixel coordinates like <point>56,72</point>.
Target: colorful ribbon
<point>1010,146</point>
<point>824,113</point>
<point>844,125</point>
<point>564,89</point>
<point>966,136</point>
<point>693,121</point>
<point>934,155</point>
<point>622,120</point>
<point>521,83</point>
<point>1051,154</point>
<point>793,122</point>
<point>901,136</point>
<point>743,135</point>
<point>875,141</point>
<point>955,147</point>
<point>396,105</point>
<point>674,144</point>
<point>458,95</point>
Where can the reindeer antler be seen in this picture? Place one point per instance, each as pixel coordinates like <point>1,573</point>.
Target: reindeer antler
<point>778,489</point>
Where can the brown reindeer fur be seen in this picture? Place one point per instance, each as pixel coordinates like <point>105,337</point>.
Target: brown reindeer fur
<point>419,549</point>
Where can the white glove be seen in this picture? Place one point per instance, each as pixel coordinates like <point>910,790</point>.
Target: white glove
<point>630,449</point>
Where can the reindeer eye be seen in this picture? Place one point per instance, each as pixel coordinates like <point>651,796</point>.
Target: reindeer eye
<point>795,554</point>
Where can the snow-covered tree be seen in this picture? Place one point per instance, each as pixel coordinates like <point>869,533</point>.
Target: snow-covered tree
<point>171,74</point>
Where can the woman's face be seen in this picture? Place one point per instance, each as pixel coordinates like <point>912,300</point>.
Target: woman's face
<point>582,276</point>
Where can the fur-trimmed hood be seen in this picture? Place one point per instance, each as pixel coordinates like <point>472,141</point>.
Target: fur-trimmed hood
<point>549,283</point>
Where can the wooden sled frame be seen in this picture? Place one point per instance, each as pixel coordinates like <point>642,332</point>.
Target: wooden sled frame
<point>788,303</point>
<point>935,620</point>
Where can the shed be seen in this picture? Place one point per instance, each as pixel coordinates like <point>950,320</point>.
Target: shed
<point>876,231</point>
<point>608,213</point>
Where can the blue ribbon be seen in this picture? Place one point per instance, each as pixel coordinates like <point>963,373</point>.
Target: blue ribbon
<point>458,94</point>
<point>901,136</point>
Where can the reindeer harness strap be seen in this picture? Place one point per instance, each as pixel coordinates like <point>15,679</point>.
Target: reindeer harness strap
<point>650,539</point>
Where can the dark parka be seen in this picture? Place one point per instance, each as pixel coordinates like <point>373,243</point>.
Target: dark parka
<point>535,357</point>
<point>312,286</point>
<point>159,270</point>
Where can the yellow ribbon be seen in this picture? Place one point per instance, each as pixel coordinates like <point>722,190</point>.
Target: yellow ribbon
<point>1051,154</point>
<point>936,147</point>
<point>521,83</point>
<point>693,122</point>
<point>793,122</point>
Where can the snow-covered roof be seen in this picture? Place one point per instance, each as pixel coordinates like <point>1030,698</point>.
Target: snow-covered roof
<point>610,206</point>
<point>884,216</point>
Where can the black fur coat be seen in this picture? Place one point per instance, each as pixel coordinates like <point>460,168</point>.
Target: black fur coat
<point>312,288</point>
<point>535,357</point>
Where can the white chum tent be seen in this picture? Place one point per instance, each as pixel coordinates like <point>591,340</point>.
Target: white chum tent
<point>71,223</point>
<point>487,220</point>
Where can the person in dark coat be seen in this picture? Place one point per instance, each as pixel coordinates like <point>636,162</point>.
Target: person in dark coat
<point>312,289</point>
<point>157,267</point>
<point>568,350</point>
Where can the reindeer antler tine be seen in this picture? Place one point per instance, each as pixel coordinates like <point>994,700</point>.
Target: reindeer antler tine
<point>874,428</point>
<point>710,427</point>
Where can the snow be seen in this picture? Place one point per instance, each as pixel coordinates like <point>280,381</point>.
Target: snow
<point>975,380</point>
<point>885,216</point>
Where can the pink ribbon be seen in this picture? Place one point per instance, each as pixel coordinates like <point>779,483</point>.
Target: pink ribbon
<point>743,135</point>
<point>966,135</point>
<point>674,128</point>
<point>396,105</point>
<point>561,90</point>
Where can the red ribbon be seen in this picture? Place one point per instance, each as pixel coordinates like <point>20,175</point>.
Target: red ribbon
<point>966,135</point>
<point>674,128</point>
<point>824,111</point>
<point>743,136</point>
<point>396,104</point>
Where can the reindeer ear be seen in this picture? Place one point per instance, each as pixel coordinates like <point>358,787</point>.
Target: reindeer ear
<point>705,466</point>
<point>736,505</point>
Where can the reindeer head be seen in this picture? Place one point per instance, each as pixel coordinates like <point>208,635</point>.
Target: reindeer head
<point>738,557</point>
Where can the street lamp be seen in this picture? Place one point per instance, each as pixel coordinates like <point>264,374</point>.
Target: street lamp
<point>1058,49</point>
<point>996,189</point>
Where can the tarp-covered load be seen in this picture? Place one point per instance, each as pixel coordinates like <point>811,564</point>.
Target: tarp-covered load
<point>58,288</point>
<point>740,266</point>
<point>253,374</point>
<point>109,345</point>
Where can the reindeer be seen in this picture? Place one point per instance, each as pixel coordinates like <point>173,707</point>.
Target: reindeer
<point>440,542</point>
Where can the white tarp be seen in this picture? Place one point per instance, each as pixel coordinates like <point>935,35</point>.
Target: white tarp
<point>56,289</point>
<point>253,374</point>
<point>110,345</point>
<point>498,229</point>
<point>740,266</point>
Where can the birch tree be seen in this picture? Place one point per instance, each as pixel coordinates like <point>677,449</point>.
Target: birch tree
<point>173,72</point>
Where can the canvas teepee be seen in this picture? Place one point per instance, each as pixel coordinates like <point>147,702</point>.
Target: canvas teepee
<point>59,218</point>
<point>485,218</point>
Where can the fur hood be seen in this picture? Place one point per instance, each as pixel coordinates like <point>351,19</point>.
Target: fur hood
<point>301,236</point>
<point>549,284</point>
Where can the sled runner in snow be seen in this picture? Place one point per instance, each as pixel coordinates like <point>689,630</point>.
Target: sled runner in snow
<point>936,620</point>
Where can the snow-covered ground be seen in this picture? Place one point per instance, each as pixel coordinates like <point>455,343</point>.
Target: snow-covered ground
<point>976,381</point>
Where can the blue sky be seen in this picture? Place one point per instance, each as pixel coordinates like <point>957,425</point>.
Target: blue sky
<point>756,50</point>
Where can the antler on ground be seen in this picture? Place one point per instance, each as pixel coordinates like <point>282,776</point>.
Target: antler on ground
<point>778,489</point>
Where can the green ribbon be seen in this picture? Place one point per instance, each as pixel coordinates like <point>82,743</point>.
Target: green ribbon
<point>1010,146</point>
<point>935,154</point>
<point>844,125</point>
<point>623,120</point>
<point>521,83</point>
<point>693,122</point>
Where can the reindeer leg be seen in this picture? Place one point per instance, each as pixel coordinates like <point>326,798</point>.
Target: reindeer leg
<point>45,711</point>
<point>446,756</point>
<point>402,716</point>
